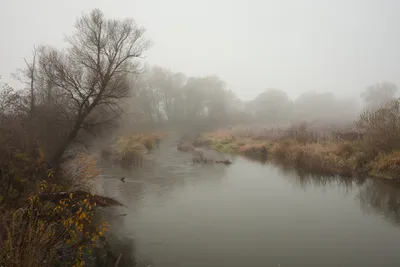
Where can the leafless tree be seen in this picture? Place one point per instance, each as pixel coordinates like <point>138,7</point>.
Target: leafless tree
<point>90,77</point>
<point>378,95</point>
<point>28,76</point>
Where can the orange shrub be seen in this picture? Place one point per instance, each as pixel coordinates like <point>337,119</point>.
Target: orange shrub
<point>387,165</point>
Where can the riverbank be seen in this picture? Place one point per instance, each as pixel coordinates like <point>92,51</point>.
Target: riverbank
<point>47,216</point>
<point>50,216</point>
<point>173,203</point>
<point>327,157</point>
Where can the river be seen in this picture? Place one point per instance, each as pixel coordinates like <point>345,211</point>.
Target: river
<point>251,214</point>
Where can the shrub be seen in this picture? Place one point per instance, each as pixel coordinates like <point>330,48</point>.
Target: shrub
<point>345,149</point>
<point>26,240</point>
<point>255,149</point>
<point>381,128</point>
<point>128,150</point>
<point>202,141</point>
<point>46,216</point>
<point>51,229</point>
<point>315,158</point>
<point>387,165</point>
<point>301,134</point>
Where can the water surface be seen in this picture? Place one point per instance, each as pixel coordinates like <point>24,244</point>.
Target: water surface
<point>252,214</point>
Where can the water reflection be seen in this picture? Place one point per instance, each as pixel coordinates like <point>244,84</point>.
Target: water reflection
<point>249,214</point>
<point>119,246</point>
<point>374,195</point>
<point>306,180</point>
<point>164,171</point>
<point>381,197</point>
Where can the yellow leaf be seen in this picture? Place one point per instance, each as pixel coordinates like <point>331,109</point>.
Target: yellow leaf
<point>70,195</point>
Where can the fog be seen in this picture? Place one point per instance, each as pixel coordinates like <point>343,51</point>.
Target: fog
<point>325,46</point>
<point>94,94</point>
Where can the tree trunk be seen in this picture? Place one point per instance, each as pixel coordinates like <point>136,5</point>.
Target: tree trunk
<point>55,160</point>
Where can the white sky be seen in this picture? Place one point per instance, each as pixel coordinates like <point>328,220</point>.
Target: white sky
<point>296,45</point>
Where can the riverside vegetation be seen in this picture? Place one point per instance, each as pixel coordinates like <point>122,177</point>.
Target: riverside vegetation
<point>373,148</point>
<point>75,96</point>
<point>49,210</point>
<point>127,151</point>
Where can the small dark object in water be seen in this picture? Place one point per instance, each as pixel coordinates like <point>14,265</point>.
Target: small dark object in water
<point>203,161</point>
<point>226,162</point>
<point>123,179</point>
<point>210,161</point>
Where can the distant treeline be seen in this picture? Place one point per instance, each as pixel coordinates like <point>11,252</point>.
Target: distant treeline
<point>161,96</point>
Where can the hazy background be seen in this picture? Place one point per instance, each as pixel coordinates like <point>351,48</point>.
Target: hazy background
<point>340,46</point>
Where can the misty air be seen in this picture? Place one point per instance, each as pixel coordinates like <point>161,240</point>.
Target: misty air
<point>199,133</point>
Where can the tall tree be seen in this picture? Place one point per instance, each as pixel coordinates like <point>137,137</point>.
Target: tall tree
<point>28,76</point>
<point>272,106</point>
<point>378,95</point>
<point>91,75</point>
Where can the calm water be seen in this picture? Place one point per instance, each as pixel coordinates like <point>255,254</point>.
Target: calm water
<point>249,214</point>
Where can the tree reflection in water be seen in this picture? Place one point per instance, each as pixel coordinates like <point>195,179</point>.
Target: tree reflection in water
<point>381,197</point>
<point>120,245</point>
<point>374,195</point>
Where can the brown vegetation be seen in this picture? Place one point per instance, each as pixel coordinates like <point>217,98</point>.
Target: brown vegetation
<point>373,148</point>
<point>128,150</point>
<point>47,207</point>
<point>72,95</point>
<point>46,217</point>
<point>199,157</point>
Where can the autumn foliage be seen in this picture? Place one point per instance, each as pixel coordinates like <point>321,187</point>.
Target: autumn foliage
<point>47,218</point>
<point>372,148</point>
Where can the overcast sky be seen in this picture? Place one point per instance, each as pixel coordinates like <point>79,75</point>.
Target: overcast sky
<point>296,45</point>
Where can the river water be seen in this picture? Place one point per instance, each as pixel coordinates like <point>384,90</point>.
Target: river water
<point>250,214</point>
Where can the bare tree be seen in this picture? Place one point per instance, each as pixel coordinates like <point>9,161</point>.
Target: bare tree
<point>28,76</point>
<point>378,95</point>
<point>91,75</point>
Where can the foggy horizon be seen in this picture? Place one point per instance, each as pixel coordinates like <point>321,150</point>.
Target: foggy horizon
<point>296,46</point>
<point>199,133</point>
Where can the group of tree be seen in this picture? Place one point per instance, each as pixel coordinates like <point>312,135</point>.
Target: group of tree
<point>75,93</point>
<point>70,96</point>
<point>162,96</point>
<point>275,106</point>
<point>79,92</point>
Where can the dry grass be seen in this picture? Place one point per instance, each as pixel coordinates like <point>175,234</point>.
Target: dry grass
<point>387,165</point>
<point>328,158</point>
<point>225,141</point>
<point>128,150</point>
<point>46,217</point>
<point>27,240</point>
<point>138,141</point>
<point>346,155</point>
